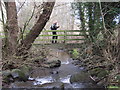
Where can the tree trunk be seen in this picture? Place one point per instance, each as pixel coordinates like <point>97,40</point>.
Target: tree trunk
<point>11,47</point>
<point>11,29</point>
<point>12,50</point>
<point>91,20</point>
<point>118,50</point>
<point>82,19</point>
<point>37,28</point>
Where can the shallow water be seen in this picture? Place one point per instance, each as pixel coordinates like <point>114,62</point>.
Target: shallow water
<point>56,77</point>
<point>64,72</point>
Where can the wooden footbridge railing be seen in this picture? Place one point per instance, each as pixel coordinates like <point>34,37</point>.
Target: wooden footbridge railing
<point>64,36</point>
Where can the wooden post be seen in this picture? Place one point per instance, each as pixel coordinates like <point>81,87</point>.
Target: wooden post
<point>65,36</point>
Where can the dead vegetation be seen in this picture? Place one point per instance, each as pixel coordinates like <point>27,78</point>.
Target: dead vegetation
<point>102,54</point>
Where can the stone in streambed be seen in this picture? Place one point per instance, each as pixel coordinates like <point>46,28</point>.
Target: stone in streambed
<point>54,72</point>
<point>99,75</point>
<point>52,64</point>
<point>103,73</point>
<point>6,75</point>
<point>25,70</point>
<point>98,72</point>
<point>19,75</point>
<point>81,77</point>
<point>118,79</point>
<point>53,86</point>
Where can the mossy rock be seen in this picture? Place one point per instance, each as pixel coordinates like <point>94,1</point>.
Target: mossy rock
<point>81,77</point>
<point>6,76</point>
<point>119,83</point>
<point>118,79</point>
<point>25,69</point>
<point>7,79</point>
<point>19,74</point>
<point>52,64</point>
<point>98,72</point>
<point>6,73</point>
<point>95,71</point>
<point>103,73</point>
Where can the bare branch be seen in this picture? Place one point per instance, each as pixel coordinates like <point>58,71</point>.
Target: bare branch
<point>102,16</point>
<point>2,13</point>
<point>21,6</point>
<point>26,24</point>
<point>39,25</point>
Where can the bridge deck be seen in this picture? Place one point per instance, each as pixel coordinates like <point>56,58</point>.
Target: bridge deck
<point>61,45</point>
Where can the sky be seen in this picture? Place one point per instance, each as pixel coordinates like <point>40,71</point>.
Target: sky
<point>65,0</point>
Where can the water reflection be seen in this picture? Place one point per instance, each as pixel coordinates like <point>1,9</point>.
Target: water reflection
<point>66,79</point>
<point>40,81</point>
<point>51,77</point>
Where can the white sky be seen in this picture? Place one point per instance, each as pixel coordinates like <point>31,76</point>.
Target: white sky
<point>64,0</point>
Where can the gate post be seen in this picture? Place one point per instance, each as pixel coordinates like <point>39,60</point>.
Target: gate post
<point>65,36</point>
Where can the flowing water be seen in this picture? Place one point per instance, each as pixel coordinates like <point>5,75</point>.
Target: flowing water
<point>53,78</point>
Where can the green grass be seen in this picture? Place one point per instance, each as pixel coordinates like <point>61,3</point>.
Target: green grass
<point>75,54</point>
<point>110,87</point>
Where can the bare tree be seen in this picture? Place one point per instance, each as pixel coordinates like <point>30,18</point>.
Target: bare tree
<point>11,30</point>
<point>11,46</point>
<point>118,50</point>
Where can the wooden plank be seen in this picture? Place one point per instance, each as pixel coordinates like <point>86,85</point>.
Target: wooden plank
<point>56,39</point>
<point>64,31</point>
<point>61,35</point>
<point>1,36</point>
<point>55,31</point>
<point>1,31</point>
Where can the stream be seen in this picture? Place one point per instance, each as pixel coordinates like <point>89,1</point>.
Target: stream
<point>55,77</point>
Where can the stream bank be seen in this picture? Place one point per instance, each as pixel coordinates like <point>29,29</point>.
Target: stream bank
<point>67,75</point>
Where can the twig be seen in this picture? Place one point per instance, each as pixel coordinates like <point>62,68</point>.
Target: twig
<point>102,15</point>
<point>26,24</point>
<point>2,20</point>
<point>21,6</point>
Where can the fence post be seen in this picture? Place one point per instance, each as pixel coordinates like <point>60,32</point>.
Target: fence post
<point>65,36</point>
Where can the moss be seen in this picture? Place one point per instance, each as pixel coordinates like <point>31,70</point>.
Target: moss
<point>52,64</point>
<point>119,83</point>
<point>6,76</point>
<point>103,73</point>
<point>113,88</point>
<point>99,72</point>
<point>95,71</point>
<point>118,77</point>
<point>6,73</point>
<point>25,69</point>
<point>80,77</point>
<point>75,54</point>
<point>17,73</point>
